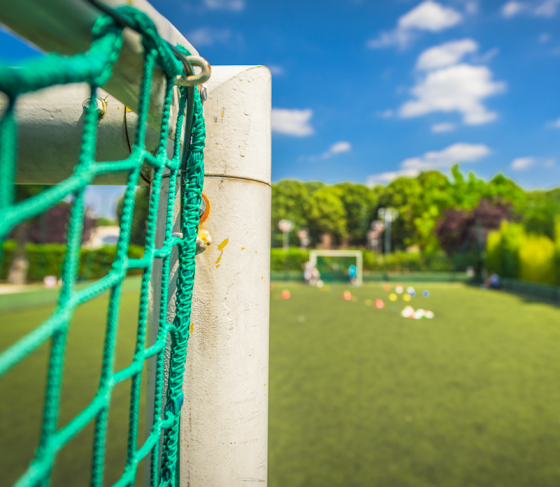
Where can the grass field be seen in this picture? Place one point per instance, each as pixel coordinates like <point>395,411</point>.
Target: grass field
<point>358,396</point>
<point>364,397</point>
<point>22,390</point>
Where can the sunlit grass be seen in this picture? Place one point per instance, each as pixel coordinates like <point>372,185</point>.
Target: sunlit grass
<point>365,397</point>
<point>358,396</point>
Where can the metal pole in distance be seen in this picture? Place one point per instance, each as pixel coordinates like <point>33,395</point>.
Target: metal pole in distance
<point>285,226</point>
<point>387,232</point>
<point>224,423</point>
<point>360,275</point>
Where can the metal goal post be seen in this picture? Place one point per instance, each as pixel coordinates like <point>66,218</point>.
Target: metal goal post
<point>224,421</point>
<point>313,254</point>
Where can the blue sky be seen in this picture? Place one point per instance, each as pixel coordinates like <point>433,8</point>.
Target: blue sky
<point>366,90</point>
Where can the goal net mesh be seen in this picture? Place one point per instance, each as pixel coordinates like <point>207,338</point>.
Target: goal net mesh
<point>94,68</point>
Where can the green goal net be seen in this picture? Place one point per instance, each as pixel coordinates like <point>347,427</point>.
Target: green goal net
<point>94,68</point>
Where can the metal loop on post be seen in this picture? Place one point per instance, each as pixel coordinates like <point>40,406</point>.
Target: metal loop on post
<point>190,80</point>
<point>198,78</point>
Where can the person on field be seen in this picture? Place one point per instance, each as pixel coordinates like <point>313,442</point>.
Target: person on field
<point>315,276</point>
<point>352,272</point>
<point>494,281</point>
<point>307,272</point>
<point>310,274</point>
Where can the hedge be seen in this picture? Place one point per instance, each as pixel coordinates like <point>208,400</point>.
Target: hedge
<point>537,260</point>
<point>47,260</point>
<point>511,252</point>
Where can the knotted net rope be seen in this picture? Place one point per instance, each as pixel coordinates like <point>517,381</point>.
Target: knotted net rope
<point>94,68</point>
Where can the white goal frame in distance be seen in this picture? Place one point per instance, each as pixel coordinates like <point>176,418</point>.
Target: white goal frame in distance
<point>224,421</point>
<point>313,254</point>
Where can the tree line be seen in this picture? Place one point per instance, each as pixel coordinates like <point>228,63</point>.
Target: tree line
<point>435,211</point>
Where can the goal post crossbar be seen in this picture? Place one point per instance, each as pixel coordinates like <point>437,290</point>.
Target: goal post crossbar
<point>64,27</point>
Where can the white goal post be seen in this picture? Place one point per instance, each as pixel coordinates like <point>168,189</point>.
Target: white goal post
<point>313,254</point>
<point>224,423</point>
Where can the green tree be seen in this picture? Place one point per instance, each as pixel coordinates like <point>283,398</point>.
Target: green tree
<point>540,211</point>
<point>500,189</point>
<point>140,215</point>
<point>327,214</point>
<point>434,198</point>
<point>347,209</point>
<point>313,186</point>
<point>19,264</point>
<point>403,194</point>
<point>291,201</point>
<point>464,193</point>
<point>359,204</point>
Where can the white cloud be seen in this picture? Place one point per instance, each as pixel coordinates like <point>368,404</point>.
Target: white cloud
<point>385,113</point>
<point>471,7</point>
<point>205,36</point>
<point>340,147</point>
<point>430,16</point>
<point>334,149</point>
<point>512,8</point>
<point>457,153</point>
<point>276,70</point>
<point>554,124</point>
<point>544,37</point>
<point>292,122</point>
<point>397,37</point>
<point>460,152</point>
<point>445,54</point>
<point>549,163</point>
<point>387,177</point>
<point>460,88</point>
<point>236,5</point>
<point>546,8</point>
<point>427,16</point>
<point>443,127</point>
<point>484,58</point>
<point>522,163</point>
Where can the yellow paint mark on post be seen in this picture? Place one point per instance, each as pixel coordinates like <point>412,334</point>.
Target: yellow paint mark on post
<point>221,249</point>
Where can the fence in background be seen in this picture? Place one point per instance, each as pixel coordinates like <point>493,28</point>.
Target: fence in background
<point>292,275</point>
<point>542,291</point>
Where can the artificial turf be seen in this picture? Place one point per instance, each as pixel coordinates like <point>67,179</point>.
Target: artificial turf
<point>22,391</point>
<point>358,396</point>
<point>364,397</point>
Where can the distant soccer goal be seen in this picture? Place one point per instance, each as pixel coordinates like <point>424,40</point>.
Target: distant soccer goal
<point>357,254</point>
